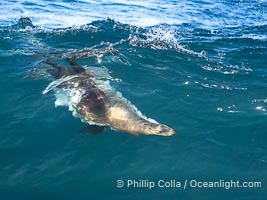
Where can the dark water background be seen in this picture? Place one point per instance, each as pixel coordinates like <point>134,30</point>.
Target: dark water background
<point>197,66</point>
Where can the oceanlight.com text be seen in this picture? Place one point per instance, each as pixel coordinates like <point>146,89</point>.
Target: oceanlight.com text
<point>179,184</point>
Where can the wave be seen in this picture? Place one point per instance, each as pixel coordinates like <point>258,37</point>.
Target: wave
<point>62,14</point>
<point>109,40</point>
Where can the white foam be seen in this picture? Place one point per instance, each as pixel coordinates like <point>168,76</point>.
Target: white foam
<point>162,37</point>
<point>57,82</point>
<point>62,98</point>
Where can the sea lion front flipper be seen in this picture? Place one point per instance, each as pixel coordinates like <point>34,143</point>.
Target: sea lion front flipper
<point>77,68</point>
<point>94,129</point>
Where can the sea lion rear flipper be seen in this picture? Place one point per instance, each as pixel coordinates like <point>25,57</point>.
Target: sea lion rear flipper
<point>52,72</point>
<point>94,129</point>
<point>58,71</point>
<point>52,64</point>
<point>77,68</point>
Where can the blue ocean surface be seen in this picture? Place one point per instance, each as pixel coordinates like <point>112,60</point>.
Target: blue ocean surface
<point>199,67</point>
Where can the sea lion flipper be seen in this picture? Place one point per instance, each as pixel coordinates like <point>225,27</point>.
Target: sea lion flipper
<point>77,68</point>
<point>58,71</point>
<point>52,64</point>
<point>94,129</point>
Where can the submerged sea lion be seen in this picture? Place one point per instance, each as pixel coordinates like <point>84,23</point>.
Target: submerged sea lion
<point>104,107</point>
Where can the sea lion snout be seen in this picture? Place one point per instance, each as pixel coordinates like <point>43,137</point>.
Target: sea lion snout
<point>165,130</point>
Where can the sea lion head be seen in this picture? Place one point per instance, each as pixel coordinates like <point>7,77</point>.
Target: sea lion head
<point>166,131</point>
<point>163,130</point>
<point>156,129</point>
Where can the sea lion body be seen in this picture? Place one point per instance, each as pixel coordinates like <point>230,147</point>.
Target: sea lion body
<point>106,107</point>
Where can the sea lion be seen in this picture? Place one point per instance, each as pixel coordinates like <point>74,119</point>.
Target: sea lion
<point>102,106</point>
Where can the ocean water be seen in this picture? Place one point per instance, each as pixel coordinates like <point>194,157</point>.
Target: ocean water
<point>197,66</point>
